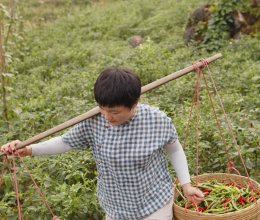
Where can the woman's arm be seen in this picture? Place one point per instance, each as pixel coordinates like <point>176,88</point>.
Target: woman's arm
<point>50,147</point>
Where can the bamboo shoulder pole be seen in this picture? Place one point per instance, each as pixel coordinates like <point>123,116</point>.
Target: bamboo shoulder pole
<point>96,110</point>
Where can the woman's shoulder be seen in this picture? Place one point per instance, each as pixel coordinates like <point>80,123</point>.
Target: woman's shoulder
<point>151,112</point>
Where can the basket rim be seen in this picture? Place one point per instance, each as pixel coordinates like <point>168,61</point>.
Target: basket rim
<point>257,203</point>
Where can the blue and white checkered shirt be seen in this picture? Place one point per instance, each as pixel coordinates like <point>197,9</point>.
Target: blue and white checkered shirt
<point>133,180</point>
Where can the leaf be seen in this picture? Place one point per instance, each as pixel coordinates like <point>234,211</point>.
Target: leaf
<point>8,74</point>
<point>17,111</point>
<point>47,183</point>
<point>250,150</point>
<point>249,164</point>
<point>256,78</point>
<point>31,208</point>
<point>4,9</point>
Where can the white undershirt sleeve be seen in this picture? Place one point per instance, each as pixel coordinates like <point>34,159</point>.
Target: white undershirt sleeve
<point>179,161</point>
<point>50,147</point>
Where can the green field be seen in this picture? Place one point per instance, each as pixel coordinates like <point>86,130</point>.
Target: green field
<point>53,58</point>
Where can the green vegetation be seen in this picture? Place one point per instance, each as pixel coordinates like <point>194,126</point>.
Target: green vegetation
<point>53,64</point>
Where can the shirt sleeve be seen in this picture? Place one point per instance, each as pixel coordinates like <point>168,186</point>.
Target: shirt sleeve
<point>170,132</point>
<point>179,161</point>
<point>79,136</point>
<point>50,147</point>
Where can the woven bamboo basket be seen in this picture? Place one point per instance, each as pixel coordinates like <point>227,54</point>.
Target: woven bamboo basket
<point>250,213</point>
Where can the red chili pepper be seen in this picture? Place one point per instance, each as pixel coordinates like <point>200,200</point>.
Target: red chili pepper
<point>242,200</point>
<point>206,191</point>
<point>201,209</point>
<point>226,200</point>
<point>230,184</point>
<point>252,199</point>
<point>239,186</point>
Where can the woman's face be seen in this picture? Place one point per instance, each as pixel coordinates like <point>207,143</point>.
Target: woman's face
<point>117,115</point>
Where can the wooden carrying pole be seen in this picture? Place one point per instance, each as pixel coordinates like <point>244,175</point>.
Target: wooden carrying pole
<point>96,110</point>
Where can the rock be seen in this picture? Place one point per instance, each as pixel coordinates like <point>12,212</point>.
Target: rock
<point>189,34</point>
<point>135,41</point>
<point>200,14</point>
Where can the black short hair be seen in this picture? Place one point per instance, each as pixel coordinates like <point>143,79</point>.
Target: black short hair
<point>117,86</point>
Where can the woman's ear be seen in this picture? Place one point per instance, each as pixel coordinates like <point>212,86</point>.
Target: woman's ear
<point>134,105</point>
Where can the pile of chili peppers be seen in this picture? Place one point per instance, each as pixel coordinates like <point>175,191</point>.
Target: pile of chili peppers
<point>220,198</point>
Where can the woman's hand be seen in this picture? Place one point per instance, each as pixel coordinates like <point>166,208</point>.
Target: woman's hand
<point>10,148</point>
<point>192,193</point>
